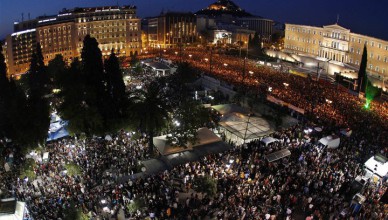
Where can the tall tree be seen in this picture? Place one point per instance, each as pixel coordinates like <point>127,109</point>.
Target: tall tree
<point>38,103</point>
<point>19,119</point>
<point>75,108</point>
<point>149,111</point>
<point>116,92</point>
<point>58,76</point>
<point>362,80</point>
<point>94,80</point>
<point>4,95</point>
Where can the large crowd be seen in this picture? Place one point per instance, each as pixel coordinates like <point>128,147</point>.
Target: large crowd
<point>312,183</point>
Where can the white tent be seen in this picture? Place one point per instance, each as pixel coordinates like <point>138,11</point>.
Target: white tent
<point>331,141</point>
<point>268,140</point>
<point>377,166</point>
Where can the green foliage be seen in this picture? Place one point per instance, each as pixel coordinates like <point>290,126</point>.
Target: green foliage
<point>205,184</point>
<point>148,111</point>
<point>57,71</point>
<point>27,169</point>
<point>116,95</point>
<point>187,119</point>
<point>73,169</point>
<point>371,91</point>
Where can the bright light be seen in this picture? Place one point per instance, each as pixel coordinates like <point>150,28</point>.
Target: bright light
<point>206,59</point>
<point>225,64</point>
<point>177,123</point>
<point>329,101</point>
<point>286,84</point>
<point>250,72</point>
<point>103,201</point>
<point>367,104</point>
<point>270,89</point>
<point>190,55</point>
<point>176,53</point>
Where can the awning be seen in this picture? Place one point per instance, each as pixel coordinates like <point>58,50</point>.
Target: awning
<point>268,140</point>
<point>278,155</point>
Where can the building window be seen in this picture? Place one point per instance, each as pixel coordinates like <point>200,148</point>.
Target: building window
<point>372,44</point>
<point>370,66</point>
<point>351,50</point>
<point>377,69</point>
<point>359,40</point>
<point>379,45</point>
<point>385,59</point>
<point>371,55</point>
<point>378,57</point>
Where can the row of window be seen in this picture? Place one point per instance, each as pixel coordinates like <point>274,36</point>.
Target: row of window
<point>339,36</point>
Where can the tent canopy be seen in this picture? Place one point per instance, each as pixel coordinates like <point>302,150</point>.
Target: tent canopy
<point>377,166</point>
<point>245,127</point>
<point>268,140</point>
<point>229,108</point>
<point>331,141</point>
<point>278,155</point>
<point>204,137</point>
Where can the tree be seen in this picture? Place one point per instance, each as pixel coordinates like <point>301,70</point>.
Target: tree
<point>148,111</point>
<point>4,95</point>
<point>362,80</point>
<point>187,119</point>
<point>76,108</point>
<point>57,71</point>
<point>115,89</point>
<point>38,107</point>
<point>206,184</point>
<point>18,118</point>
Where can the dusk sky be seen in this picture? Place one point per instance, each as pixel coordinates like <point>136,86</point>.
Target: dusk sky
<point>360,16</point>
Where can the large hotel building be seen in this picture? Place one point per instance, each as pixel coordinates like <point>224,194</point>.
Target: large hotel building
<point>333,42</point>
<point>114,27</point>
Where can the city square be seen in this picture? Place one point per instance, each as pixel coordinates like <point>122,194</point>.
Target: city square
<point>216,114</point>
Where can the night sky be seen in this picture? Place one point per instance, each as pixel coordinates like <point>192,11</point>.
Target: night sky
<point>368,17</point>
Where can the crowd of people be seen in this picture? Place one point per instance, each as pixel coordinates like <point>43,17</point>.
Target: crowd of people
<point>101,162</point>
<point>312,183</point>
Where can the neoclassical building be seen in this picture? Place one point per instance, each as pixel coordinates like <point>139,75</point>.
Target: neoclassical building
<point>336,43</point>
<point>115,28</point>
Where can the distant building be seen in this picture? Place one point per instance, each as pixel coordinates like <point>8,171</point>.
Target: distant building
<point>114,27</point>
<point>226,15</point>
<point>262,26</point>
<point>336,43</point>
<point>171,29</point>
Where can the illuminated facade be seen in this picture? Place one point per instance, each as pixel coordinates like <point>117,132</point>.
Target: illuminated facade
<point>115,28</point>
<point>171,29</point>
<point>336,43</point>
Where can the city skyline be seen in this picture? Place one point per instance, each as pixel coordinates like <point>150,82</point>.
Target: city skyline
<point>296,12</point>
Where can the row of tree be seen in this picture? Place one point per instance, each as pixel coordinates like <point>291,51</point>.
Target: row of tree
<point>91,95</point>
<point>24,105</point>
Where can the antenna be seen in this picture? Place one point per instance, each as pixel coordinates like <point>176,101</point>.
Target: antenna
<point>337,18</point>
<point>22,17</point>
